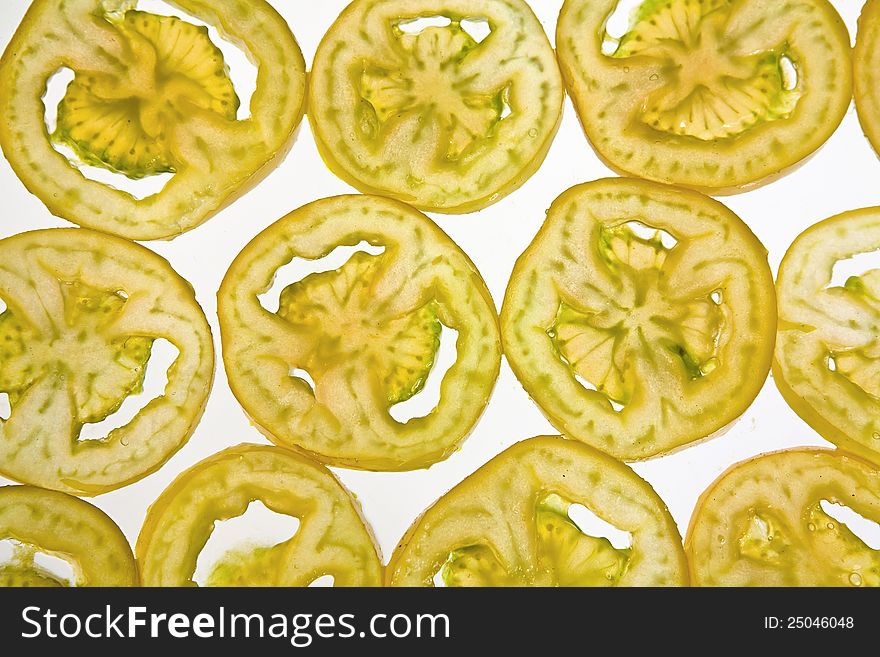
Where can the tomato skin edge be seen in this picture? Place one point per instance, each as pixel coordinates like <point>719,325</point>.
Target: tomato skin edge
<point>481,473</point>
<point>867,28</point>
<point>706,495</point>
<point>472,206</point>
<point>648,187</point>
<point>465,208</point>
<point>804,410</point>
<point>78,489</point>
<point>220,197</point>
<point>390,463</point>
<point>157,508</point>
<point>819,424</point>
<point>731,190</point>
<point>107,525</point>
<point>573,87</point>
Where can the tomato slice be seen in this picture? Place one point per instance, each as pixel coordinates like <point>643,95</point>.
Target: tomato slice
<point>866,70</point>
<point>828,344</point>
<point>66,527</point>
<point>151,94</point>
<point>508,524</point>
<point>83,311</point>
<point>762,523</point>
<point>366,334</point>
<point>331,540</point>
<point>717,95</point>
<point>430,113</point>
<point>641,318</point>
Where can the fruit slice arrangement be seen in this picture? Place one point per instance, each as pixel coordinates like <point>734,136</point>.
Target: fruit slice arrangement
<point>45,521</point>
<point>331,538</point>
<point>509,524</point>
<point>445,104</point>
<point>366,335</point>
<point>827,360</point>
<point>641,318</point>
<point>762,523</point>
<point>150,94</point>
<point>712,94</point>
<point>83,310</point>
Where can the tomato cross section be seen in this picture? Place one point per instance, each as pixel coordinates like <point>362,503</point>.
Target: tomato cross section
<point>83,312</point>
<point>508,524</point>
<point>367,334</point>
<point>406,102</point>
<point>762,523</point>
<point>641,318</point>
<point>150,94</point>
<point>718,95</point>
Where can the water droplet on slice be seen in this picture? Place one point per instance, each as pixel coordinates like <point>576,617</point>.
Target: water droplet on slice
<point>855,579</point>
<point>654,77</point>
<point>533,133</point>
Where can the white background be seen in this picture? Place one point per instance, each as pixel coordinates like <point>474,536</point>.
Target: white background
<point>842,176</point>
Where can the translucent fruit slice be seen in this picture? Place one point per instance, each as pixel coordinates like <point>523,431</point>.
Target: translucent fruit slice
<point>508,524</point>
<point>367,334</point>
<point>866,71</point>
<point>332,538</point>
<point>407,100</point>
<point>715,95</point>
<point>150,95</point>
<point>764,523</point>
<point>83,313</point>
<point>66,527</point>
<point>827,357</point>
<point>641,318</point>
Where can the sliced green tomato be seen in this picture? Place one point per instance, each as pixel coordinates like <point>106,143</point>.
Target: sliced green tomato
<point>641,318</point>
<point>717,94</point>
<point>827,360</point>
<point>65,527</point>
<point>508,525</point>
<point>866,70</point>
<point>367,334</point>
<point>762,523</point>
<point>434,116</point>
<point>151,94</point>
<point>331,540</point>
<point>83,311</point>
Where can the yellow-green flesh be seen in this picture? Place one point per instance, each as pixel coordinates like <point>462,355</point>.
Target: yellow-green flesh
<point>827,359</point>
<point>433,116</point>
<point>641,318</point>
<point>866,71</point>
<point>331,539</point>
<point>83,312</point>
<point>367,334</point>
<point>150,94</point>
<point>713,94</point>
<point>762,523</point>
<point>508,524</point>
<point>65,527</point>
